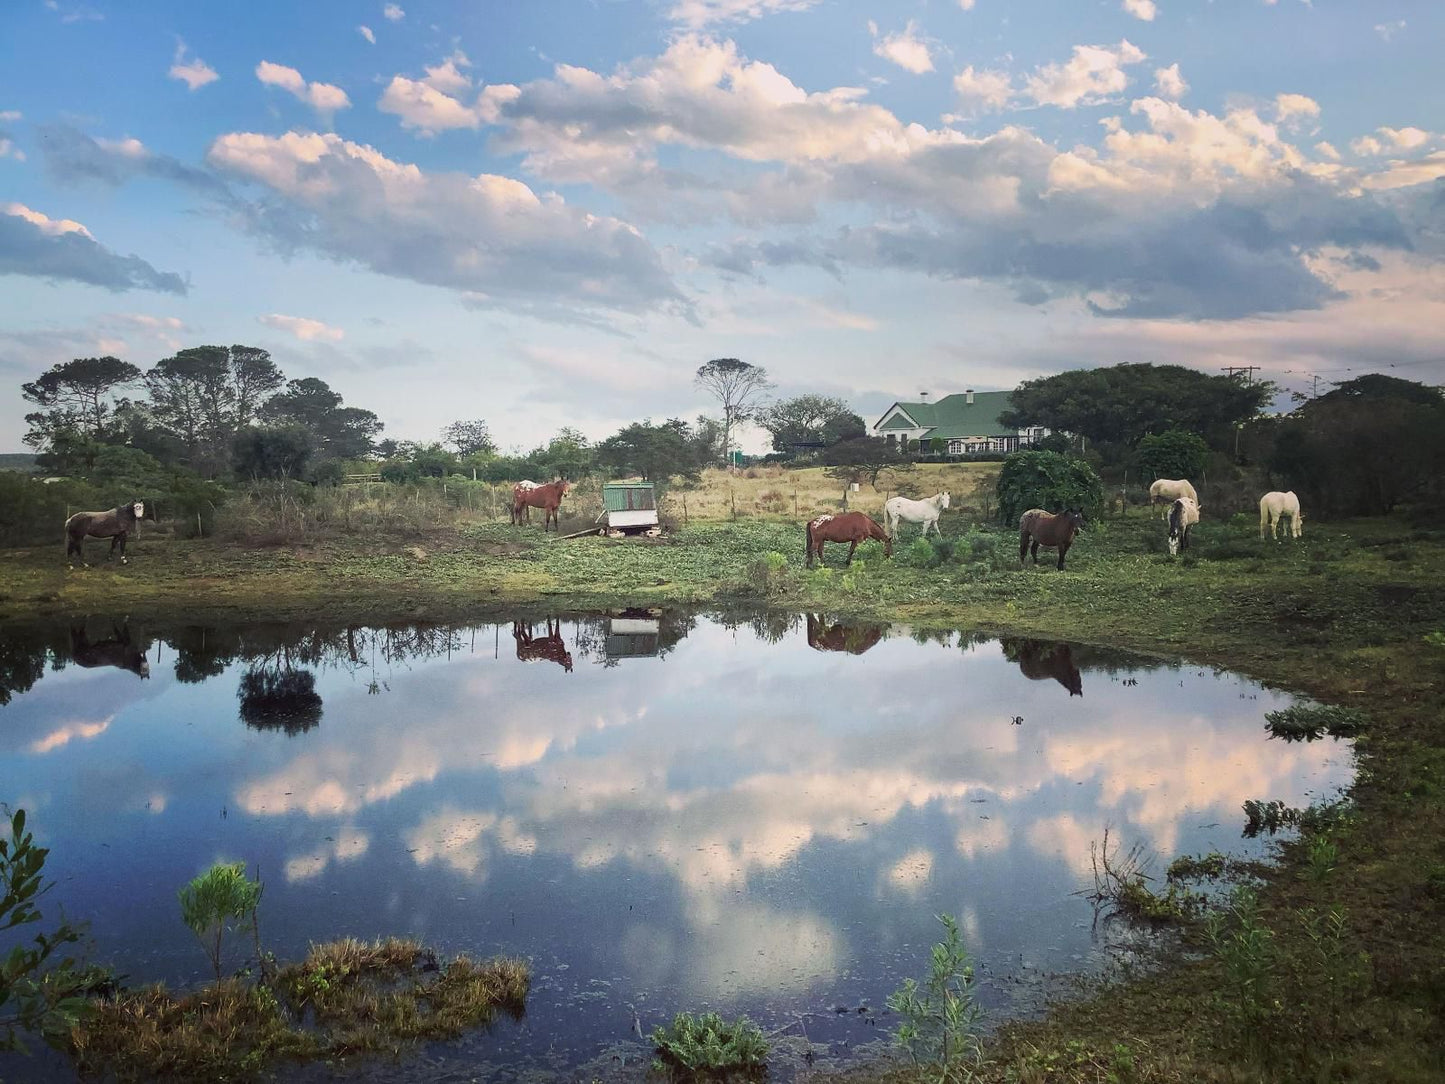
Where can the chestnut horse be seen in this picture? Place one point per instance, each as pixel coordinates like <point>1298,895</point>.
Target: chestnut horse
<point>551,647</point>
<point>525,483</point>
<point>1039,660</point>
<point>1039,528</point>
<point>851,527</point>
<point>854,639</point>
<point>546,497</point>
<point>115,525</point>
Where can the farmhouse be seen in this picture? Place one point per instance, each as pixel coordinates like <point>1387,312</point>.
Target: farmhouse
<point>967,422</point>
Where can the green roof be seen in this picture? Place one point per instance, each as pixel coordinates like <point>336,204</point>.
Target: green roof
<point>954,416</point>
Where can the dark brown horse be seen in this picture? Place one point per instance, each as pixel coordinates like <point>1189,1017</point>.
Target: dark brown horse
<point>115,525</point>
<point>551,647</point>
<point>1039,660</point>
<point>1039,528</point>
<point>547,498</point>
<point>854,639</point>
<point>117,651</point>
<point>851,527</point>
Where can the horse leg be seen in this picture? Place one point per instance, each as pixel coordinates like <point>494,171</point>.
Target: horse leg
<point>1035,551</point>
<point>1063,549</point>
<point>122,537</point>
<point>851,548</point>
<point>1023,547</point>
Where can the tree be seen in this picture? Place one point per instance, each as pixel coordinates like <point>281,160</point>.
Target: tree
<point>1125,403</point>
<point>810,419</point>
<point>736,385</point>
<point>205,395</point>
<point>1175,454</point>
<point>254,376</point>
<point>339,432</point>
<point>654,452</point>
<point>271,451</point>
<point>1047,480</point>
<point>468,437</point>
<point>78,395</point>
<point>864,457</point>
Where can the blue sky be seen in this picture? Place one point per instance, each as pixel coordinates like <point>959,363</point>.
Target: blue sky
<point>550,213</point>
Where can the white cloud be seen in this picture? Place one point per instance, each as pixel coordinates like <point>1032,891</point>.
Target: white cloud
<point>983,90</point>
<point>1401,174</point>
<point>904,48</point>
<point>9,116</point>
<point>8,149</point>
<point>1407,139</point>
<point>1170,83</point>
<point>696,14</point>
<point>194,73</point>
<point>1295,108</point>
<point>1140,9</point>
<point>393,12</point>
<point>305,329</point>
<point>1389,30</point>
<point>1327,150</point>
<point>365,32</point>
<point>1367,146</point>
<point>1094,73</point>
<point>325,98</point>
<point>50,227</point>
<point>446,76</point>
<point>967,5</point>
<point>61,249</point>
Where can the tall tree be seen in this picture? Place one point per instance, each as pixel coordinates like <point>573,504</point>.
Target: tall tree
<point>468,437</point>
<point>205,395</point>
<point>1124,403</point>
<point>654,452</point>
<point>78,395</point>
<point>810,419</point>
<point>254,376</point>
<point>340,432</point>
<point>737,386</point>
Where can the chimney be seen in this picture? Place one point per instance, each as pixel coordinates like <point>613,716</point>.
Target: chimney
<point>968,397</point>
<point>923,395</point>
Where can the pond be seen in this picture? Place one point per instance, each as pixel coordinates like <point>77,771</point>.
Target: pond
<point>661,811</point>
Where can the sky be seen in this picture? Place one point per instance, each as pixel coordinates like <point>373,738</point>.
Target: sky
<point>550,213</point>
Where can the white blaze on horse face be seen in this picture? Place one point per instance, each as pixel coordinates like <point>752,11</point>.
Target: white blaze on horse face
<point>140,509</point>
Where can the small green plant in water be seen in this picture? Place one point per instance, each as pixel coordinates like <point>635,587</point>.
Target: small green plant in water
<point>1323,857</point>
<point>707,1044</point>
<point>940,1016</point>
<point>1306,722</point>
<point>214,901</point>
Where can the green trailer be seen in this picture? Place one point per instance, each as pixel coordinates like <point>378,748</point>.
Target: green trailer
<point>629,508</point>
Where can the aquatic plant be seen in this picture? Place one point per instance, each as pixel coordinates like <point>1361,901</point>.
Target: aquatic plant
<point>215,899</point>
<point>1244,947</point>
<point>941,1015</point>
<point>1121,883</point>
<point>707,1044</point>
<point>1309,722</point>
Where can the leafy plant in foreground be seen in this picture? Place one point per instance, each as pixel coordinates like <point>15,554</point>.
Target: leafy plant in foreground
<point>218,897</point>
<point>940,1017</point>
<point>710,1044</point>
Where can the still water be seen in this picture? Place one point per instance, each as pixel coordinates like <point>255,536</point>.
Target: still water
<point>660,811</point>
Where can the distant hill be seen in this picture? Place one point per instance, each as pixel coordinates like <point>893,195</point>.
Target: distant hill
<point>21,461</point>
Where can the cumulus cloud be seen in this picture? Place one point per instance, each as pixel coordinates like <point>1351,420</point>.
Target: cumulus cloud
<point>32,243</point>
<point>1407,139</point>
<point>194,73</point>
<point>1389,30</point>
<point>365,32</point>
<point>696,14</point>
<point>1170,83</point>
<point>1295,108</point>
<point>1093,74</point>
<point>73,157</point>
<point>984,90</point>
<point>393,13</point>
<point>904,48</point>
<point>305,329</point>
<point>325,98</point>
<point>1140,9</point>
<point>487,234</point>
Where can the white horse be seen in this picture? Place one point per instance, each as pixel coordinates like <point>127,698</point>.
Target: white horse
<point>1273,507</point>
<point>925,512</point>
<point>1183,514</point>
<point>1167,490</point>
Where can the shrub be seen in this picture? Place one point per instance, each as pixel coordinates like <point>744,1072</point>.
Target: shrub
<point>221,895</point>
<point>1047,480</point>
<point>1172,454</point>
<point>941,1016</point>
<point>710,1044</point>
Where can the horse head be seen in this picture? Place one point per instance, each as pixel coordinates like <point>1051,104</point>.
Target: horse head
<point>946,498</point>
<point>138,508</point>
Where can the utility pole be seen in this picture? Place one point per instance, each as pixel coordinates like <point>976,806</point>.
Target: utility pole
<point>1236,370</point>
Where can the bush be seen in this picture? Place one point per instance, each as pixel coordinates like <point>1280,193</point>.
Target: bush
<point>710,1044</point>
<point>1174,454</point>
<point>1047,480</point>
<point>329,472</point>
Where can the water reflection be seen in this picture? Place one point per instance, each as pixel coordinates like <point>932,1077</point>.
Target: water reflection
<point>733,812</point>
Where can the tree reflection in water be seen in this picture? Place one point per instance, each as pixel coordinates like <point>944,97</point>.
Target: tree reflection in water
<point>280,700</point>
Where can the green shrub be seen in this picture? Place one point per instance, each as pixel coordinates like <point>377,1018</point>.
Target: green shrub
<point>1047,480</point>
<point>940,1017</point>
<point>215,899</point>
<point>1172,454</point>
<point>709,1044</point>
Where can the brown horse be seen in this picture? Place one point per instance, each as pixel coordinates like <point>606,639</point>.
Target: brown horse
<point>546,497</point>
<point>551,647</point>
<point>115,525</point>
<point>1039,528</point>
<point>854,639</point>
<point>1038,661</point>
<point>117,650</point>
<point>851,527</point>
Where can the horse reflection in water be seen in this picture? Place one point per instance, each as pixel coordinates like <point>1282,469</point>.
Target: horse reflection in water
<point>854,639</point>
<point>1039,660</point>
<point>551,647</point>
<point>117,650</point>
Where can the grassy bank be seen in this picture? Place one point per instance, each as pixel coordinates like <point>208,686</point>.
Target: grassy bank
<point>1339,974</point>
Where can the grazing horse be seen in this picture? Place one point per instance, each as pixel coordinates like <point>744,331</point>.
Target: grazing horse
<point>551,647</point>
<point>1273,507</point>
<point>925,512</point>
<point>115,525</point>
<point>1166,490</point>
<point>547,498</point>
<point>851,527</point>
<point>854,639</point>
<point>1039,528</point>
<point>1183,514</point>
<point>115,651</point>
<point>1039,660</point>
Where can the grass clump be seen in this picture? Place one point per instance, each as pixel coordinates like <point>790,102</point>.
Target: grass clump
<point>708,1045</point>
<point>1310,722</point>
<point>1204,867</point>
<point>1121,883</point>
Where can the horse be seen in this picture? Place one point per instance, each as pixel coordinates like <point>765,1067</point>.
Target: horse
<point>115,525</point>
<point>526,509</point>
<point>551,647</point>
<point>1166,490</point>
<point>1274,506</point>
<point>1039,528</point>
<point>925,512</point>
<point>547,498</point>
<point>1038,661</point>
<point>1183,514</point>
<point>116,651</point>
<point>854,639</point>
<point>851,527</point>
